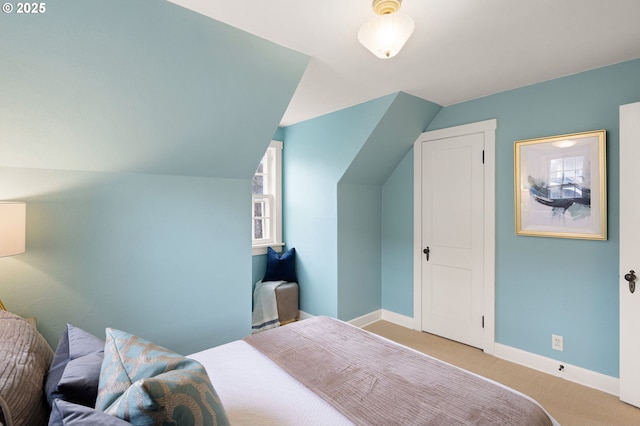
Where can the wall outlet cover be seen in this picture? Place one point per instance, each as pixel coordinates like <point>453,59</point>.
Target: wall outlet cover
<point>557,342</point>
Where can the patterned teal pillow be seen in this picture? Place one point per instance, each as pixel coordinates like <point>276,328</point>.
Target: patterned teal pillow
<point>146,384</point>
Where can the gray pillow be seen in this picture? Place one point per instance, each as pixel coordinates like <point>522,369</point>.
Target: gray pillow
<point>75,369</point>
<point>24,361</point>
<point>3,408</point>
<point>65,413</point>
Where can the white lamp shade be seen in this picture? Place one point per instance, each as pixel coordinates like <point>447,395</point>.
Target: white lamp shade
<point>384,35</point>
<point>13,218</point>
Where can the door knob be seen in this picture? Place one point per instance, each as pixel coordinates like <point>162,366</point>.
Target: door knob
<point>631,278</point>
<point>426,251</point>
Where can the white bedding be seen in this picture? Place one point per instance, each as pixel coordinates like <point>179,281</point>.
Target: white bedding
<point>255,391</point>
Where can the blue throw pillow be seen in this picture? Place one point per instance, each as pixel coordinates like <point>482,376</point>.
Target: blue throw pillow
<point>281,267</point>
<point>65,413</point>
<point>146,384</point>
<point>75,369</point>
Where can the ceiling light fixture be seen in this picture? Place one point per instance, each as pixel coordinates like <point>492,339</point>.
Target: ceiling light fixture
<point>386,33</point>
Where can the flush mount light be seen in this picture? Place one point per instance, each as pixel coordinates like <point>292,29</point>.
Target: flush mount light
<point>386,33</point>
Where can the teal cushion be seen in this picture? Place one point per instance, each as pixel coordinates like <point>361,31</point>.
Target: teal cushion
<point>146,384</point>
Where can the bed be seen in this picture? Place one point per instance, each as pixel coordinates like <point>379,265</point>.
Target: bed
<point>323,371</point>
<point>320,371</point>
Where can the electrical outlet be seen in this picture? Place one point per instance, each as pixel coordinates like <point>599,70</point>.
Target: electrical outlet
<point>557,343</point>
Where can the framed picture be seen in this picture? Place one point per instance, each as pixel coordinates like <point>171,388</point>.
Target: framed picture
<point>561,186</point>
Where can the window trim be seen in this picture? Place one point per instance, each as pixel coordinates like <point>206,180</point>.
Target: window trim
<point>276,221</point>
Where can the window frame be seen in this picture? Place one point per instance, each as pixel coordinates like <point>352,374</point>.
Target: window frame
<point>578,166</point>
<point>273,163</point>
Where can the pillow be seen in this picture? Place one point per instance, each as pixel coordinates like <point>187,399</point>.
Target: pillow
<point>24,361</point>
<point>144,383</point>
<point>281,267</point>
<point>65,413</point>
<point>3,408</point>
<point>75,370</point>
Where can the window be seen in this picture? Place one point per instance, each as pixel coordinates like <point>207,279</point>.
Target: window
<point>266,223</point>
<point>566,178</point>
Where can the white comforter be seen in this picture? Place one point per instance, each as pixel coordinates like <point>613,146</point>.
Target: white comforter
<point>255,391</point>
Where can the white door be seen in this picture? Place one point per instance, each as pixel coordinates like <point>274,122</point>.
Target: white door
<point>452,238</point>
<point>629,254</point>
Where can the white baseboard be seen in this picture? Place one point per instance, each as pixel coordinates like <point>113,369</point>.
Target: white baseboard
<point>382,314</point>
<point>551,366</point>
<point>398,319</point>
<point>367,319</point>
<point>302,315</point>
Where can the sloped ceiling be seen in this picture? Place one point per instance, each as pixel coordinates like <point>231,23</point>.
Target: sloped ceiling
<point>391,139</point>
<point>140,87</point>
<point>460,49</point>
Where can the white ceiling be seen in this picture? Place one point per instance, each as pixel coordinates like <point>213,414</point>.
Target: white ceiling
<point>460,49</point>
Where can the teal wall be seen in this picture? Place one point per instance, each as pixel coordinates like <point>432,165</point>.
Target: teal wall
<point>397,239</point>
<point>359,249</point>
<point>123,125</point>
<point>544,286</point>
<point>258,267</point>
<point>138,252</point>
<point>334,168</point>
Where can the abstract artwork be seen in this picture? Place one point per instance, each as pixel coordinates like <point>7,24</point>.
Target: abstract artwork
<point>560,186</point>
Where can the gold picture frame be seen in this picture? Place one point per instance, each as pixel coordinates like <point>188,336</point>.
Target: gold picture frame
<point>561,186</point>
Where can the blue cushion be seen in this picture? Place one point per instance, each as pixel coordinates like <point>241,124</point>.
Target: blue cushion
<point>281,267</point>
<point>146,384</point>
<point>75,369</point>
<point>65,413</point>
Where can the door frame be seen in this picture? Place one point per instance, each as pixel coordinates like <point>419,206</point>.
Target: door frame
<point>488,128</point>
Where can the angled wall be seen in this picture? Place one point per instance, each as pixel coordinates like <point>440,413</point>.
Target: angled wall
<point>123,125</point>
<point>397,239</point>
<point>361,246</point>
<point>316,154</point>
<point>334,167</point>
<point>140,87</point>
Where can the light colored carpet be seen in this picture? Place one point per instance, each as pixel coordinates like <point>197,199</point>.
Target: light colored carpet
<point>569,403</point>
